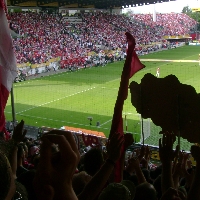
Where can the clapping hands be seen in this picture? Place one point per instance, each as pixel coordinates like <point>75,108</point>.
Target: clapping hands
<point>53,178</point>
<point>19,133</point>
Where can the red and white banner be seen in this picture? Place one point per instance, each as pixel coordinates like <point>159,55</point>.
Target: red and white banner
<point>8,67</point>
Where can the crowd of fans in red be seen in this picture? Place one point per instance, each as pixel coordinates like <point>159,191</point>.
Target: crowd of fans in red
<point>44,36</point>
<point>173,24</point>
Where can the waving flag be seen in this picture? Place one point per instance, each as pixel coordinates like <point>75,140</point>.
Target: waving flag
<point>131,66</point>
<point>8,69</point>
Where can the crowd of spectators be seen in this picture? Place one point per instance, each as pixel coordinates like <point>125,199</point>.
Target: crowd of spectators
<point>55,167</point>
<point>43,36</point>
<point>172,24</point>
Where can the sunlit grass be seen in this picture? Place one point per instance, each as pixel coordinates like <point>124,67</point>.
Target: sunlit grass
<point>69,98</point>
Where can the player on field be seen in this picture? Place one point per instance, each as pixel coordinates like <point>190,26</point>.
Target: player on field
<point>158,72</point>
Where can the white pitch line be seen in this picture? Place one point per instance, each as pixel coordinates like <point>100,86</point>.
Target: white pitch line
<point>53,101</point>
<point>7,112</point>
<point>55,120</point>
<point>106,122</point>
<point>130,113</point>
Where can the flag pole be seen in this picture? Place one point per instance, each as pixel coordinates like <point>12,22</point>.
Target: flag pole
<point>126,124</point>
<point>131,66</point>
<point>179,125</point>
<point>142,117</point>
<point>13,105</point>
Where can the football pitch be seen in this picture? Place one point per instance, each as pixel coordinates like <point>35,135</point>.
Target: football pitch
<point>69,98</point>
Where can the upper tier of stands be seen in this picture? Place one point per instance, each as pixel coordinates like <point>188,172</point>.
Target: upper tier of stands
<point>173,24</point>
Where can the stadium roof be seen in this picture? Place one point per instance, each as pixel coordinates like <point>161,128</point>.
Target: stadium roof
<point>98,4</point>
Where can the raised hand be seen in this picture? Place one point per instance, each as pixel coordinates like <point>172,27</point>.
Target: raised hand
<point>134,163</point>
<point>128,140</point>
<point>136,152</point>
<point>141,152</point>
<point>69,137</point>
<point>166,147</point>
<point>147,153</point>
<point>167,156</point>
<point>99,180</point>
<point>195,151</point>
<point>177,173</point>
<point>194,192</point>
<point>19,133</point>
<point>114,147</point>
<point>53,178</point>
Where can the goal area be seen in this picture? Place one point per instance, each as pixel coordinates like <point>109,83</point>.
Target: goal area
<point>151,132</point>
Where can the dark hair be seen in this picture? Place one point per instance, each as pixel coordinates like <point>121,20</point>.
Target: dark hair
<point>145,191</point>
<point>93,160</point>
<point>26,179</point>
<point>2,135</point>
<point>134,179</point>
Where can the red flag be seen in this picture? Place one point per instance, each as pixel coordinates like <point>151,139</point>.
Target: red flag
<point>8,70</point>
<point>131,66</point>
<point>136,65</point>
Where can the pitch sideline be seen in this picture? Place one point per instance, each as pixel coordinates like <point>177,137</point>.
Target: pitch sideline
<point>163,60</point>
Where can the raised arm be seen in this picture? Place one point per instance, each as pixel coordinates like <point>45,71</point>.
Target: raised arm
<point>178,169</point>
<point>69,137</point>
<point>166,156</point>
<point>134,166</point>
<point>194,192</point>
<point>96,184</point>
<point>54,174</point>
<point>19,133</point>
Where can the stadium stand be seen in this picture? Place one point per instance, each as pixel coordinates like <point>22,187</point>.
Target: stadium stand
<point>173,24</point>
<point>72,167</point>
<point>49,36</point>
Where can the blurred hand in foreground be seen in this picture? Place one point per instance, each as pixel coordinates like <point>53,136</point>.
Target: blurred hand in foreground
<point>53,178</point>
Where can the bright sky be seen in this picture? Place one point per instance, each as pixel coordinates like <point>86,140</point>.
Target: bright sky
<point>166,7</point>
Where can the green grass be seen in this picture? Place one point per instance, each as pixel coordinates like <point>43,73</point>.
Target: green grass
<point>69,98</point>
